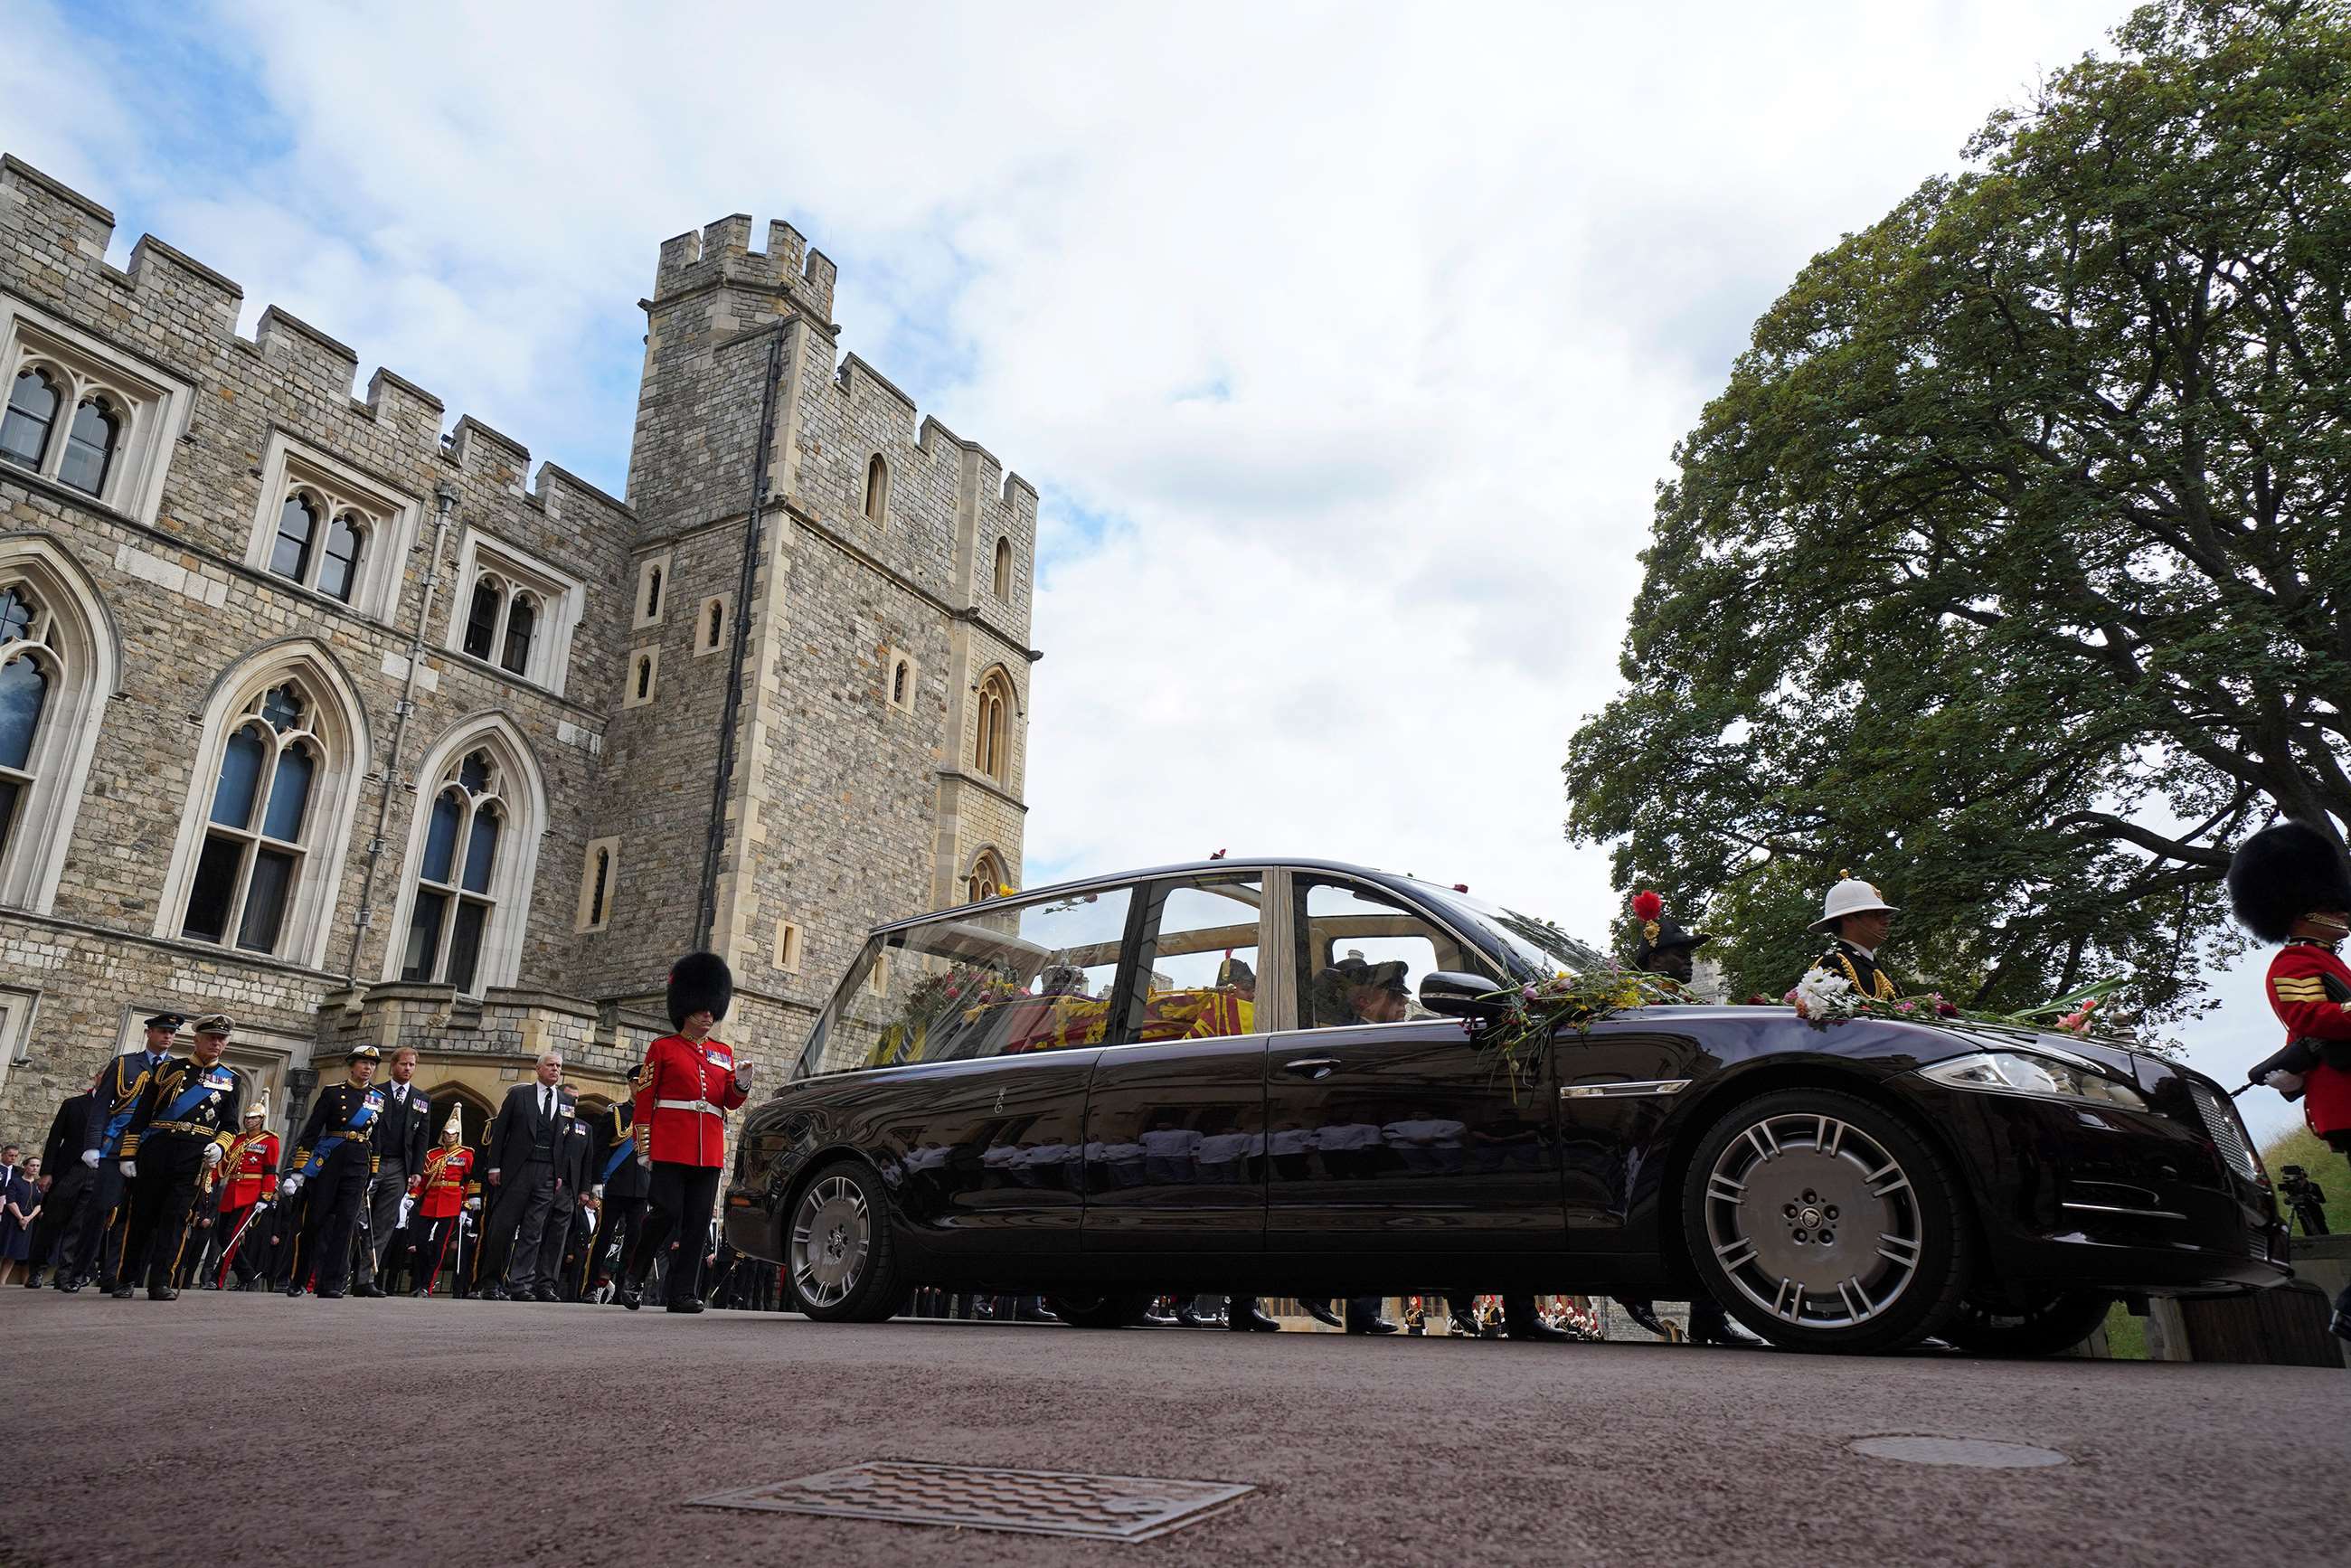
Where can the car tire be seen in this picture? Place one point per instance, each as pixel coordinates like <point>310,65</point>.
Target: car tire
<point>1123,1311</point>
<point>840,1254</point>
<point>2049,1328</point>
<point>1823,1222</point>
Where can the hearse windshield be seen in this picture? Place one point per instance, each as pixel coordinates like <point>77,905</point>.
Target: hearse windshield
<point>1533,947</point>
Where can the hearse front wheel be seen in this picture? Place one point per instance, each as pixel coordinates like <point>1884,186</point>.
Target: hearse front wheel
<point>1825,1224</point>
<point>837,1251</point>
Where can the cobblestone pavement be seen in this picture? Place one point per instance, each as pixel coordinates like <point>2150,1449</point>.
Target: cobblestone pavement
<point>255,1429</point>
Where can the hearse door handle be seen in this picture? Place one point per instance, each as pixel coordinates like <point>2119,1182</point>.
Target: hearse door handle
<point>1312,1066</point>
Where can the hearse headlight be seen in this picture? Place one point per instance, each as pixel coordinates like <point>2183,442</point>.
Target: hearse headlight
<point>2015,1072</point>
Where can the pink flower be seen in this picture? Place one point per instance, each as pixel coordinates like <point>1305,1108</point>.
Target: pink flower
<point>1945,1010</point>
<point>1790,997</point>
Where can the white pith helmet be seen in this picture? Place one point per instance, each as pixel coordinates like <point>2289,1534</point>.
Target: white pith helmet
<point>1850,896</point>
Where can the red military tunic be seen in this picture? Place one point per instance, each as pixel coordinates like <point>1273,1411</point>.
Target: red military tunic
<point>440,1187</point>
<point>683,1092</point>
<point>2310,991</point>
<point>249,1171</point>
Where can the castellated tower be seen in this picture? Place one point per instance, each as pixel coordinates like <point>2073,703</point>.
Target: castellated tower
<point>328,712</point>
<point>823,709</point>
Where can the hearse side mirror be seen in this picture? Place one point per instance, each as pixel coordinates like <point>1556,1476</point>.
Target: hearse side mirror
<point>1462,996</point>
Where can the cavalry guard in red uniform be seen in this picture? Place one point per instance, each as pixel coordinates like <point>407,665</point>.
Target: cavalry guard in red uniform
<point>440,1190</point>
<point>249,1180</point>
<point>2289,886</point>
<point>686,1087</point>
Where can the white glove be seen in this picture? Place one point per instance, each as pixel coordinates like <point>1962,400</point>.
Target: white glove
<point>407,1207</point>
<point>131,1167</point>
<point>290,1185</point>
<point>743,1074</point>
<point>474,1205</point>
<point>212,1156</point>
<point>2284,1082</point>
<point>89,1158</point>
<point>644,1162</point>
<point>597,1192</point>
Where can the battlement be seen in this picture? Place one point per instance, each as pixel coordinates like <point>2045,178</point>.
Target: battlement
<point>64,233</point>
<point>721,253</point>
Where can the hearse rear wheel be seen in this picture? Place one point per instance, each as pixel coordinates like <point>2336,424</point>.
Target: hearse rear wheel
<point>2049,1327</point>
<point>1824,1223</point>
<point>838,1252</point>
<point>1115,1311</point>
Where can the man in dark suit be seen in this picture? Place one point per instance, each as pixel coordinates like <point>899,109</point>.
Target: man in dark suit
<point>404,1137</point>
<point>69,1185</point>
<point>97,1243</point>
<point>564,1213</point>
<point>522,1159</point>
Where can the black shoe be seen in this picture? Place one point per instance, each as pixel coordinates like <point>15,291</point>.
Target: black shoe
<point>1187,1318</point>
<point>1530,1326</point>
<point>690,1304</point>
<point>491,1293</point>
<point>161,1293</point>
<point>1320,1310</point>
<point>1372,1325</point>
<point>549,1294</point>
<point>1249,1318</point>
<point>65,1283</point>
<point>123,1293</point>
<point>630,1296</point>
<point>293,1289</point>
<point>370,1288</point>
<point>33,1281</point>
<point>1644,1311</point>
<point>330,1296</point>
<point>2341,1322</point>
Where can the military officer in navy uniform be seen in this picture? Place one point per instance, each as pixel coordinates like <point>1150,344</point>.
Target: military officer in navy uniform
<point>1857,918</point>
<point>183,1122</point>
<point>618,1183</point>
<point>96,1244</point>
<point>403,1136</point>
<point>334,1160</point>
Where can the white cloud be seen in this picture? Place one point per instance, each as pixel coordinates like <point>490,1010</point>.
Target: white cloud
<point>1369,329</point>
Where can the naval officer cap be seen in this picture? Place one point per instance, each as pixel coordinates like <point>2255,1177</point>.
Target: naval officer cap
<point>215,1023</point>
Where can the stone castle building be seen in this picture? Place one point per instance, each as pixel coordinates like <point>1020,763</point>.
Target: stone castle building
<point>312,713</point>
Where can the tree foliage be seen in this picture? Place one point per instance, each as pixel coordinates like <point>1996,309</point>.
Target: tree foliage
<point>2011,569</point>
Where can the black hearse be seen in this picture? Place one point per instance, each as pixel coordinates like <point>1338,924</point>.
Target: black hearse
<point>1279,1077</point>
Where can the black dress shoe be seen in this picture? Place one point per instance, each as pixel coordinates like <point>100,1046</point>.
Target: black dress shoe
<point>293,1289</point>
<point>33,1281</point>
<point>1372,1325</point>
<point>123,1293</point>
<point>370,1288</point>
<point>1320,1310</point>
<point>1644,1311</point>
<point>688,1304</point>
<point>549,1294</point>
<point>161,1293</point>
<point>1243,1315</point>
<point>630,1296</point>
<point>1529,1326</point>
<point>492,1293</point>
<point>330,1296</point>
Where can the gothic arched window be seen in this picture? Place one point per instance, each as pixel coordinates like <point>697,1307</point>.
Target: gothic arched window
<point>57,668</point>
<point>339,574</point>
<point>257,834</point>
<point>32,415</point>
<point>988,750</point>
<point>987,880</point>
<point>89,447</point>
<point>453,902</point>
<point>522,622</point>
<point>877,489</point>
<point>1004,569</point>
<point>297,526</point>
<point>483,615</point>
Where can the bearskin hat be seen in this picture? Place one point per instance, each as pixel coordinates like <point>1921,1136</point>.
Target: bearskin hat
<point>699,982</point>
<point>2281,875</point>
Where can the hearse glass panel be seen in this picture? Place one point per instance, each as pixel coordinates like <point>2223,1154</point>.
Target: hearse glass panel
<point>988,979</point>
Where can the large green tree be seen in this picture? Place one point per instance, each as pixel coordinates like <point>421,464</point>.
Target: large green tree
<point>2012,569</point>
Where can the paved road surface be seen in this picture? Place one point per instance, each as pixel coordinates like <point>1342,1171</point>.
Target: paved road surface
<point>251,1430</point>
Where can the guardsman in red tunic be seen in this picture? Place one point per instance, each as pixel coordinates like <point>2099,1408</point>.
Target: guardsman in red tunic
<point>248,1177</point>
<point>686,1087</point>
<point>440,1191</point>
<point>2289,885</point>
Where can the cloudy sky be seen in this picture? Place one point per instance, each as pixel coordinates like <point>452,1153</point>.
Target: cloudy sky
<point>1345,343</point>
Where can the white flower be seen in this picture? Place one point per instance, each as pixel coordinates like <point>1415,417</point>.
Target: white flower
<point>1823,997</point>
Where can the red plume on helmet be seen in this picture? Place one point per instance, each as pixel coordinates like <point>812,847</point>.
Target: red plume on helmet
<point>1647,906</point>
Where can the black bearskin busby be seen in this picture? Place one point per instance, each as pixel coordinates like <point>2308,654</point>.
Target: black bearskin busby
<point>2281,875</point>
<point>699,982</point>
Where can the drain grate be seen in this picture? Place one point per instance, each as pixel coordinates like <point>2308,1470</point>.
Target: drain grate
<point>1982,1453</point>
<point>973,1497</point>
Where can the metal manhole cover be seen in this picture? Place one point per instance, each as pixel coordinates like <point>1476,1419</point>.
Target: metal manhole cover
<point>1984,1453</point>
<point>974,1497</point>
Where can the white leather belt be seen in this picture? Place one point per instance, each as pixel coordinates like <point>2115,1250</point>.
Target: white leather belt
<point>687,1105</point>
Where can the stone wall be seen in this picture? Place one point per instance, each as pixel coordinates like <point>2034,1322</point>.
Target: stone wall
<point>838,813</point>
